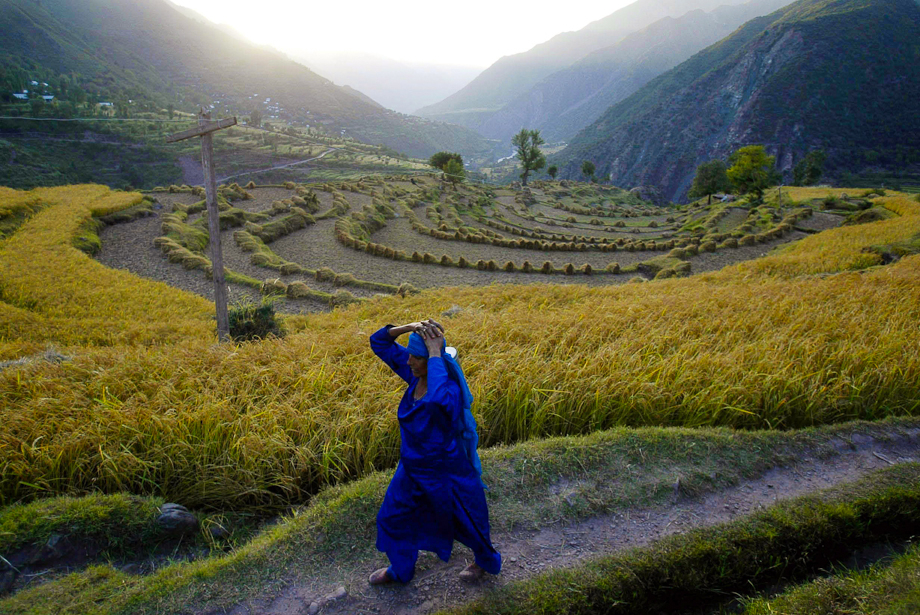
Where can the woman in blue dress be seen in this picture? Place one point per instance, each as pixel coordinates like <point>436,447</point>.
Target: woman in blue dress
<point>436,495</point>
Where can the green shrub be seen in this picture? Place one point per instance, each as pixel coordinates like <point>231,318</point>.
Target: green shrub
<point>250,321</point>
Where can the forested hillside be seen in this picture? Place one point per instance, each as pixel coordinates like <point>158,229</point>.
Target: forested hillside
<point>839,75</point>
<point>147,51</point>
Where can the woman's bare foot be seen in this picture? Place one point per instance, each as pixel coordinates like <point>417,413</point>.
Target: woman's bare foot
<point>473,572</point>
<point>381,577</point>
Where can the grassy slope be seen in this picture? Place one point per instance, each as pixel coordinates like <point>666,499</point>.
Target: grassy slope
<point>787,541</point>
<point>890,588</point>
<point>612,471</point>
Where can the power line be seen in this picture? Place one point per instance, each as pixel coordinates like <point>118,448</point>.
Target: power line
<point>93,119</point>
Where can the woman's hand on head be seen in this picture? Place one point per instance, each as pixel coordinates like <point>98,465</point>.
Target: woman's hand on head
<point>430,328</point>
<point>416,327</point>
<point>433,334</point>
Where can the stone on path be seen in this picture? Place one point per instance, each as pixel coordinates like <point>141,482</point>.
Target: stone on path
<point>176,519</point>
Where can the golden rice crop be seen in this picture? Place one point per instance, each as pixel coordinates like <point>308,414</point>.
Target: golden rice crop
<point>50,291</point>
<point>842,249</point>
<point>267,423</point>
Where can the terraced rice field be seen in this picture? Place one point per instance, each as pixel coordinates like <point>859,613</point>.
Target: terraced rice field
<point>425,233</point>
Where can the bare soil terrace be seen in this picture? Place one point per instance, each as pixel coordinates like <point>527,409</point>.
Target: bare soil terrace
<point>130,246</point>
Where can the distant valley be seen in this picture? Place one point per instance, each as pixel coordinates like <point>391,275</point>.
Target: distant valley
<point>400,86</point>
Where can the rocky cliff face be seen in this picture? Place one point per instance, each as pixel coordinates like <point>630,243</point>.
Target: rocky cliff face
<point>842,76</point>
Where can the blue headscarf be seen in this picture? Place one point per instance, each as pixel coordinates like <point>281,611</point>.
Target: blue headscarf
<point>465,426</point>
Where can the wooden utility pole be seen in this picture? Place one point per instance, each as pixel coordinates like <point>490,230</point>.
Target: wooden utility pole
<point>204,129</point>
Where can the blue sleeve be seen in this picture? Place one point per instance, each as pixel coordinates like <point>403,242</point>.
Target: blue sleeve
<point>395,356</point>
<point>441,389</point>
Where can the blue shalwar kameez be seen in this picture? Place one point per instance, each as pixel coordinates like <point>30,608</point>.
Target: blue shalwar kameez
<point>436,495</point>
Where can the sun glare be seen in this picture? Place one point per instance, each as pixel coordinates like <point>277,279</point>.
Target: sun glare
<point>476,34</point>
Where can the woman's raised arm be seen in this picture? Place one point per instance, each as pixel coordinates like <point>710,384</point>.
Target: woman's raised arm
<point>383,343</point>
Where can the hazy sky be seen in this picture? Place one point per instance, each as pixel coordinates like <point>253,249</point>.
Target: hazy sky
<point>465,33</point>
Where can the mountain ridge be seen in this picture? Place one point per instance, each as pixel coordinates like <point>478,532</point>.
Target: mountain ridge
<point>148,48</point>
<point>511,76</point>
<point>568,100</point>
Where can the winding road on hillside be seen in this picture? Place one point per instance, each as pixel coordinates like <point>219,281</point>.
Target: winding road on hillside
<point>221,180</point>
<point>527,553</point>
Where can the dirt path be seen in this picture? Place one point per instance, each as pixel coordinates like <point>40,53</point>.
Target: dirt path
<point>527,553</point>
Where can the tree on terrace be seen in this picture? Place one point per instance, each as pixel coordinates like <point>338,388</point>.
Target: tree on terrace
<point>809,169</point>
<point>454,171</point>
<point>711,177</point>
<point>528,144</point>
<point>255,118</point>
<point>440,160</point>
<point>588,169</point>
<point>752,170</point>
<point>552,170</point>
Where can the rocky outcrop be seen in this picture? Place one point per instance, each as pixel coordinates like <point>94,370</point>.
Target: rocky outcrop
<point>650,194</point>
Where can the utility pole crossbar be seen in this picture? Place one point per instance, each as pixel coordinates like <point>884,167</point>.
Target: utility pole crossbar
<point>204,129</point>
<point>201,130</point>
